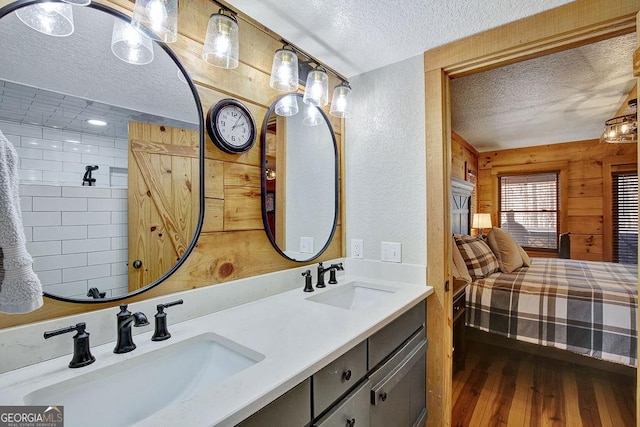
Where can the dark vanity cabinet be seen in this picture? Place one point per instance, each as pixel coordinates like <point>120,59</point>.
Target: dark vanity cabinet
<point>380,382</point>
<point>459,329</point>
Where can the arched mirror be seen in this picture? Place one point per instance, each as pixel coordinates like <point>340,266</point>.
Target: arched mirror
<point>110,151</point>
<point>299,178</point>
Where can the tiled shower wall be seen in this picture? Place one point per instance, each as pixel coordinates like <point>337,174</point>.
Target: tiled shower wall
<point>76,235</point>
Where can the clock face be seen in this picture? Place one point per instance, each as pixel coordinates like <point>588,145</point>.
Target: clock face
<point>231,126</point>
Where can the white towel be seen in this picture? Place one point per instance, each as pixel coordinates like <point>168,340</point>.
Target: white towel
<point>20,289</point>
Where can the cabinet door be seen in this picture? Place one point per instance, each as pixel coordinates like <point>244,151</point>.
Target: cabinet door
<point>352,411</point>
<point>292,409</point>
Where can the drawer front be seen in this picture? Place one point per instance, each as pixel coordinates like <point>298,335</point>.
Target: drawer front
<point>386,340</point>
<point>335,379</point>
<point>353,411</point>
<point>292,409</point>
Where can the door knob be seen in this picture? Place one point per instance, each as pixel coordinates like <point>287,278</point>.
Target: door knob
<point>137,264</point>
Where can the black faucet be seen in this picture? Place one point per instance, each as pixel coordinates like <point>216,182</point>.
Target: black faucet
<point>87,179</point>
<point>308,286</point>
<point>81,351</point>
<point>96,294</point>
<point>125,318</point>
<point>332,276</point>
<point>161,332</point>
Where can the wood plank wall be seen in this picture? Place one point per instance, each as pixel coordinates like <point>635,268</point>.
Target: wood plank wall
<point>233,243</point>
<point>585,194</point>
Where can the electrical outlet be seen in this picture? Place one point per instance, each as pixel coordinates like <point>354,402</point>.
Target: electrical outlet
<point>306,245</point>
<point>391,251</point>
<point>357,248</point>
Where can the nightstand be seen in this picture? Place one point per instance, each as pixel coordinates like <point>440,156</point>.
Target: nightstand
<point>459,328</point>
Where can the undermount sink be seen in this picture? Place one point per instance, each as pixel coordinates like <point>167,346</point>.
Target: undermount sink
<point>353,296</point>
<point>125,393</point>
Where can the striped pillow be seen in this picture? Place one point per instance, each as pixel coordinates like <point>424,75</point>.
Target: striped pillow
<point>478,257</point>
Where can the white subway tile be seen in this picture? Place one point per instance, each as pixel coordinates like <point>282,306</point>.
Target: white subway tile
<point>119,193</point>
<point>81,148</point>
<point>95,258</point>
<point>93,192</point>
<point>41,219</point>
<point>29,153</point>
<point>114,152</point>
<point>119,217</point>
<point>119,242</point>
<point>97,140</point>
<point>22,130</point>
<point>119,268</point>
<point>44,165</point>
<point>52,204</point>
<point>50,277</point>
<point>28,234</point>
<point>110,282</point>
<point>52,247</point>
<point>121,162</point>
<point>29,175</point>
<point>48,133</point>
<point>40,190</point>
<point>26,203</point>
<point>86,245</point>
<point>114,230</point>
<point>44,144</point>
<point>108,205</point>
<point>59,261</point>
<point>85,273</point>
<point>59,233</point>
<point>71,289</point>
<point>120,291</point>
<point>66,178</point>
<point>122,144</point>
<point>61,156</point>
<point>84,218</point>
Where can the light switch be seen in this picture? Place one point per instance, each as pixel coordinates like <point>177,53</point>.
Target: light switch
<point>391,251</point>
<point>306,245</point>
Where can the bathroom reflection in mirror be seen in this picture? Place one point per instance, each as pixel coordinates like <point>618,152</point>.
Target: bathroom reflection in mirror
<point>299,178</point>
<point>110,154</point>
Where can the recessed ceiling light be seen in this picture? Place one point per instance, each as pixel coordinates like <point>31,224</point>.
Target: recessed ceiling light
<point>96,122</point>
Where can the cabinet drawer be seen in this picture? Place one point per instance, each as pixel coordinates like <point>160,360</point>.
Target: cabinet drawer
<point>353,411</point>
<point>386,340</point>
<point>292,409</point>
<point>335,379</point>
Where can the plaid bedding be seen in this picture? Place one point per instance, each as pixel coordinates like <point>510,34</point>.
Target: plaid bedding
<point>582,306</point>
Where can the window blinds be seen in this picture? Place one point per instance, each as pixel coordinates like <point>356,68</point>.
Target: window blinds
<point>625,217</point>
<point>529,209</point>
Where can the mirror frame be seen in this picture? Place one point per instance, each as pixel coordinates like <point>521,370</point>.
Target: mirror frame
<point>12,7</point>
<point>263,180</point>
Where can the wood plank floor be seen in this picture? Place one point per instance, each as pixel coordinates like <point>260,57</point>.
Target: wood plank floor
<point>505,387</point>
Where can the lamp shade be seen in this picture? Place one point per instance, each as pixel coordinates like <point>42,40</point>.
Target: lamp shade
<point>284,71</point>
<point>339,102</point>
<point>317,90</point>
<point>160,17</point>
<point>53,19</point>
<point>130,45</point>
<point>481,220</point>
<point>287,106</point>
<point>221,45</point>
<point>312,116</point>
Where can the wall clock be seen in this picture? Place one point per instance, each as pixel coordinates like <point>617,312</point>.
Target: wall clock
<point>231,126</point>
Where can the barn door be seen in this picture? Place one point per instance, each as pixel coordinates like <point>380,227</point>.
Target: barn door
<point>163,199</point>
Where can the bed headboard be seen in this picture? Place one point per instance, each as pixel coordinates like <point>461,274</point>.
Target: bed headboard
<point>461,206</point>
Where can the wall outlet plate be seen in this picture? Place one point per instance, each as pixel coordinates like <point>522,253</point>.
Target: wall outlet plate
<point>306,245</point>
<point>357,248</point>
<point>391,252</point>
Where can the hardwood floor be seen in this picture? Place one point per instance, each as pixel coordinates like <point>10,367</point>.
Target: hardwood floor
<point>506,387</point>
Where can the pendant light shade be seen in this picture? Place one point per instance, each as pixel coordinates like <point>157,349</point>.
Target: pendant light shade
<point>130,45</point>
<point>221,41</point>
<point>339,102</point>
<point>160,17</point>
<point>53,19</point>
<point>284,71</point>
<point>312,116</point>
<point>287,106</point>
<point>317,90</point>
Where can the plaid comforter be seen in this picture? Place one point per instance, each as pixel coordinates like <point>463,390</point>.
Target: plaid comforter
<point>585,307</point>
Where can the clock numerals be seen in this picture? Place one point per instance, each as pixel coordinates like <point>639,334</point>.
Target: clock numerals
<point>231,126</point>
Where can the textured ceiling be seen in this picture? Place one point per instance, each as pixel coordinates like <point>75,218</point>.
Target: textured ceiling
<point>557,98</point>
<point>356,36</point>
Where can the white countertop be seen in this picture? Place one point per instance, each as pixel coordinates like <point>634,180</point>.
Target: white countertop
<point>297,338</point>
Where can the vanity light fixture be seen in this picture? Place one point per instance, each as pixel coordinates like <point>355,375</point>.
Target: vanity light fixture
<point>316,91</point>
<point>221,40</point>
<point>53,19</point>
<point>339,102</point>
<point>158,18</point>
<point>284,70</point>
<point>287,106</point>
<point>130,45</point>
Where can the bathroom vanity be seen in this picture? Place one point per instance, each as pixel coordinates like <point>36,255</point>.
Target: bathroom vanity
<point>355,350</point>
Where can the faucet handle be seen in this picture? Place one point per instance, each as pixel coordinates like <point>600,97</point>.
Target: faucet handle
<point>81,350</point>
<point>161,332</point>
<point>308,285</point>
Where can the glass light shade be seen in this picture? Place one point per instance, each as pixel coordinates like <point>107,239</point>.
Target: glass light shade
<point>53,19</point>
<point>130,45</point>
<point>339,102</point>
<point>160,17</point>
<point>287,106</point>
<point>284,71</point>
<point>78,2</point>
<point>221,42</point>
<point>312,116</point>
<point>481,220</point>
<point>317,90</point>
<point>622,129</point>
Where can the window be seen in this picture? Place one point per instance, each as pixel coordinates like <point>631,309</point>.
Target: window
<point>529,209</point>
<point>625,217</point>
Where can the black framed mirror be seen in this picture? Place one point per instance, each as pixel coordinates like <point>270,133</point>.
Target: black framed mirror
<point>109,211</point>
<point>299,158</point>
